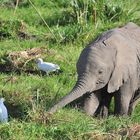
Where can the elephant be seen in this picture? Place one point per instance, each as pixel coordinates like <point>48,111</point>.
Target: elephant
<point>109,66</point>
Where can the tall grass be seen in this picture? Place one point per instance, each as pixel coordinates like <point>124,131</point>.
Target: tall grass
<point>28,96</point>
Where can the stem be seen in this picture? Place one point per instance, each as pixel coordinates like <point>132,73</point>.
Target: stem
<point>42,19</point>
<point>94,16</point>
<point>17,2</point>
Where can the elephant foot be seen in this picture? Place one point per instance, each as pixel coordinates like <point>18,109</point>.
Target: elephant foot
<point>103,112</point>
<point>121,110</point>
<point>104,105</point>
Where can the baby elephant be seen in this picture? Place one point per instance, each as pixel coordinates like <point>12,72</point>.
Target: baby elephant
<point>108,66</point>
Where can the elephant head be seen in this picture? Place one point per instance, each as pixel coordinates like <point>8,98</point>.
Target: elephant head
<point>94,68</point>
<point>103,63</point>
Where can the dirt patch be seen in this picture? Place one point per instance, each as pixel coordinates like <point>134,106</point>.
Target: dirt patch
<point>21,60</point>
<point>130,133</point>
<point>24,61</point>
<point>100,136</point>
<point>20,57</point>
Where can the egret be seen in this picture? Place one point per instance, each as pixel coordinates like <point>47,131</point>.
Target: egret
<point>47,66</point>
<point>3,111</point>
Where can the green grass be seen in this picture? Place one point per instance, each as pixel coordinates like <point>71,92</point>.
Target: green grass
<point>29,96</point>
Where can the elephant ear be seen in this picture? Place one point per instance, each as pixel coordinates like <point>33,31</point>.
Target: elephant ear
<point>125,61</point>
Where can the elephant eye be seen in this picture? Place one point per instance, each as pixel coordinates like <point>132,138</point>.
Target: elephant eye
<point>100,71</point>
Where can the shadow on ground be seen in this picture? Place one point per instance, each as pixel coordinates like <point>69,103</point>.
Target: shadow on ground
<point>7,69</point>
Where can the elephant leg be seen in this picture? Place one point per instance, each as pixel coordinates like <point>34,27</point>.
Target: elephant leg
<point>91,103</point>
<point>122,99</point>
<point>134,101</point>
<point>104,105</point>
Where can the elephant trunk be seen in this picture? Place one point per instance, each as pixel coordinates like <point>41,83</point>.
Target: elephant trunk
<point>79,89</point>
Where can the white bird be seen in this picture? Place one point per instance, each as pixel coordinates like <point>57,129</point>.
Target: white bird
<point>3,111</point>
<point>46,66</point>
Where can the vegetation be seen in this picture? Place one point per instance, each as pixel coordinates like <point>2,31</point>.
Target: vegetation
<point>62,28</point>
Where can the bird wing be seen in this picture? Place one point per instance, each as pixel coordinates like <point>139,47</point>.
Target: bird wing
<point>3,114</point>
<point>50,66</point>
<point>54,66</point>
<point>0,110</point>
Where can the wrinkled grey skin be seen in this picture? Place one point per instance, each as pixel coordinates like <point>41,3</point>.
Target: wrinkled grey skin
<point>108,66</point>
<point>134,101</point>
